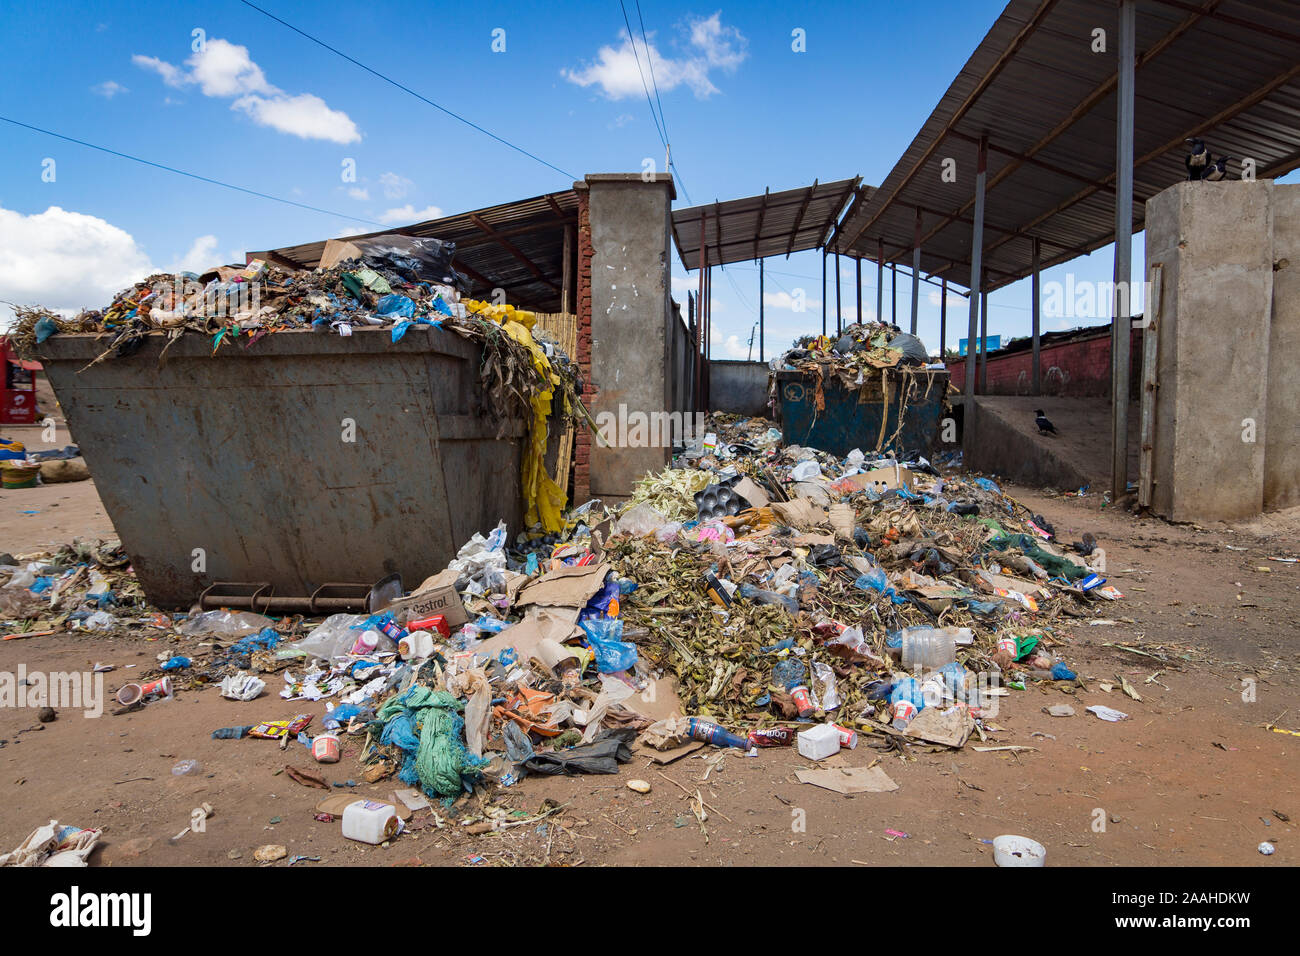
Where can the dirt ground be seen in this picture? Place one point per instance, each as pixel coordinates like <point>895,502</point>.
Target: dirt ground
<point>1194,777</point>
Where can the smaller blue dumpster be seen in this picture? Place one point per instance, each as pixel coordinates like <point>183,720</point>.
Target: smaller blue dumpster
<point>898,410</point>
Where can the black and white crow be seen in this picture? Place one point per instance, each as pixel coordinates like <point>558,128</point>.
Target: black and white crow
<point>1217,170</point>
<point>1044,426</point>
<point>1197,159</point>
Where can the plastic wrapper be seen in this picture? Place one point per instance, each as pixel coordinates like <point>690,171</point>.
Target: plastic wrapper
<point>825,694</point>
<point>335,636</point>
<point>226,624</point>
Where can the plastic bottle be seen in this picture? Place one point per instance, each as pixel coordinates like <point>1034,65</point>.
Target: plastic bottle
<point>711,733</point>
<point>366,642</point>
<point>370,822</point>
<point>930,647</point>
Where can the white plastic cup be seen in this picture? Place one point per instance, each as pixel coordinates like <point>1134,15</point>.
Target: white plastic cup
<point>1012,850</point>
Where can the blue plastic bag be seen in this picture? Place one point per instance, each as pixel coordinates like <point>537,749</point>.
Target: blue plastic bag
<point>604,634</point>
<point>875,580</point>
<point>396,305</point>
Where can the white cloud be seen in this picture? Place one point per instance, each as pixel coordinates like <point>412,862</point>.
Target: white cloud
<point>171,75</point>
<point>305,116</point>
<point>783,300</point>
<point>65,261</point>
<point>409,214</point>
<point>710,46</point>
<point>345,231</point>
<point>201,256</point>
<point>224,70</point>
<point>359,193</point>
<point>955,301</point>
<point>108,89</point>
<point>395,186</point>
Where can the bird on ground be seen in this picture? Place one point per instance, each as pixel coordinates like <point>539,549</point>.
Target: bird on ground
<point>1216,170</point>
<point>1197,159</point>
<point>1087,545</point>
<point>1044,426</point>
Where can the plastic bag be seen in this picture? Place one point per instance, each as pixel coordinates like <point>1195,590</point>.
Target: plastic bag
<point>227,624</point>
<point>335,636</point>
<point>806,471</point>
<point>612,652</point>
<point>641,519</point>
<point>825,695</point>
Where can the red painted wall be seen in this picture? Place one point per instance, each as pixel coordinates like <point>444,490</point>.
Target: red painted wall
<point>1079,368</point>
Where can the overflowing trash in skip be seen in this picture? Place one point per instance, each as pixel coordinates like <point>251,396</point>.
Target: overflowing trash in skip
<point>751,595</point>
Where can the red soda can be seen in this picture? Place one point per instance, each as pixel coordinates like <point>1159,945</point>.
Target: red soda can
<point>848,738</point>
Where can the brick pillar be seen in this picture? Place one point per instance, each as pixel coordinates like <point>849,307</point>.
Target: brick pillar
<point>582,440</point>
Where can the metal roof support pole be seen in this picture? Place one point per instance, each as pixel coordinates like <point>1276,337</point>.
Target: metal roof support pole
<point>943,318</point>
<point>916,271</point>
<point>976,263</point>
<point>880,280</point>
<point>1119,328</point>
<point>699,321</point>
<point>893,293</point>
<point>838,311</point>
<point>1037,263</point>
<point>858,260</point>
<point>984,337</point>
<point>823,290</point>
<point>566,281</point>
<point>760,310</point>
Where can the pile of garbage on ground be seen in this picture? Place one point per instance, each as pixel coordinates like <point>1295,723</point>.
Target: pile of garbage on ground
<point>752,595</point>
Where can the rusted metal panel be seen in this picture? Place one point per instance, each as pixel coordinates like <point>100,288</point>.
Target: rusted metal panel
<point>242,458</point>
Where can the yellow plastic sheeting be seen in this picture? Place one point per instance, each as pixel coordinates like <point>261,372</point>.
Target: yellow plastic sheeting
<point>545,500</point>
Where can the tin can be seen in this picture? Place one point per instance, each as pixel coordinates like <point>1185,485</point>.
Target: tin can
<point>1010,645</point>
<point>325,748</point>
<point>129,694</point>
<point>848,738</point>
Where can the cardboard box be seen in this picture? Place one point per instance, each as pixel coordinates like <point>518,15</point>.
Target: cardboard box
<point>441,599</point>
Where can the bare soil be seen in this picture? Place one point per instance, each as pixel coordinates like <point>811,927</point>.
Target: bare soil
<point>1194,777</point>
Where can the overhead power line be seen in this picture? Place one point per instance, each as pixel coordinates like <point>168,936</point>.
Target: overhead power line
<point>406,89</point>
<point>182,172</point>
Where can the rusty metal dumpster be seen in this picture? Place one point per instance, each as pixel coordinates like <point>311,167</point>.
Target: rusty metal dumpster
<point>898,410</point>
<point>305,460</point>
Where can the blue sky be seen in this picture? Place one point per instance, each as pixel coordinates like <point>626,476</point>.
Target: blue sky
<point>259,106</point>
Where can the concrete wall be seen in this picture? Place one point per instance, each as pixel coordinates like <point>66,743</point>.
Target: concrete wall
<point>738,387</point>
<point>1282,437</point>
<point>634,337</point>
<point>1221,372</point>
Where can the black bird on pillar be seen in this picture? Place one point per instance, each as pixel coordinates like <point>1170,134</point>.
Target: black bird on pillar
<point>1197,160</point>
<point>1217,170</point>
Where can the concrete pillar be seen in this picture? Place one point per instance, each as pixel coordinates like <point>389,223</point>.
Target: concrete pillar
<point>1282,436</point>
<point>1213,242</point>
<point>632,323</point>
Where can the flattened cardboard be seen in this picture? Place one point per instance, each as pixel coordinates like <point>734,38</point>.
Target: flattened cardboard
<point>950,728</point>
<point>849,779</point>
<point>748,489</point>
<point>570,586</point>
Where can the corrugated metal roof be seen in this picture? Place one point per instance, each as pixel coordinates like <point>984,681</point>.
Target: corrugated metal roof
<point>773,224</point>
<point>1227,71</point>
<point>518,246</point>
